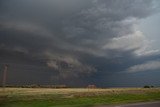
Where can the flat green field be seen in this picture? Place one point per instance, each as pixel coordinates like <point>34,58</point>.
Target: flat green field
<point>75,97</point>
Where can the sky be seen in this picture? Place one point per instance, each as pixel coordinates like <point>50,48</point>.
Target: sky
<point>109,43</point>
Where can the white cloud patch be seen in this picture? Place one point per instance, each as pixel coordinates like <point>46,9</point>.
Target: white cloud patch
<point>136,41</point>
<point>148,66</point>
<point>52,64</point>
<point>128,42</point>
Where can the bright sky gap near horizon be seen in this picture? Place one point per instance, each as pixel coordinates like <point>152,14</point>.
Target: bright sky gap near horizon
<point>109,43</point>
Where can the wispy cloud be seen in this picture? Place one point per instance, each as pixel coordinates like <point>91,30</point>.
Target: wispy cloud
<point>148,66</point>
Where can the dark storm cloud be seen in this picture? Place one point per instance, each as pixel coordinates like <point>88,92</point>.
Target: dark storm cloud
<point>74,38</point>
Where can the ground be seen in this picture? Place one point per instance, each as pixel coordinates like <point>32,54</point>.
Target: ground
<point>75,97</point>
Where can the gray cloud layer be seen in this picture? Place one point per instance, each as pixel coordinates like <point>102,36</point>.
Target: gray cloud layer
<point>73,39</point>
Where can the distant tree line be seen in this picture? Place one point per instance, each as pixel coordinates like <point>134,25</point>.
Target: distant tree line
<point>36,86</point>
<point>147,86</point>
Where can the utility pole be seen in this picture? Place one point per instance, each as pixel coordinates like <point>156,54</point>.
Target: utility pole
<point>4,75</point>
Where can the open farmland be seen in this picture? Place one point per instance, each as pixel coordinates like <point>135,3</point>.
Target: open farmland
<point>76,97</point>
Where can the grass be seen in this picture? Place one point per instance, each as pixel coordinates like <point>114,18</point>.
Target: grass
<point>41,97</point>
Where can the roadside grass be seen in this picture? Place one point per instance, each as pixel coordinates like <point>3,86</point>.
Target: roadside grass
<point>75,97</point>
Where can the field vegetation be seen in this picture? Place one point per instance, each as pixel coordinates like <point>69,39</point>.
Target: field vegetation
<point>75,97</point>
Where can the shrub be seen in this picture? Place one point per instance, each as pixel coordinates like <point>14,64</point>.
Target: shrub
<point>146,86</point>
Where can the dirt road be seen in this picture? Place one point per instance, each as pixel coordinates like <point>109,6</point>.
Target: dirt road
<point>150,104</point>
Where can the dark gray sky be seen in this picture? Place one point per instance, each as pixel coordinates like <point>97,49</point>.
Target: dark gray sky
<point>110,43</point>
